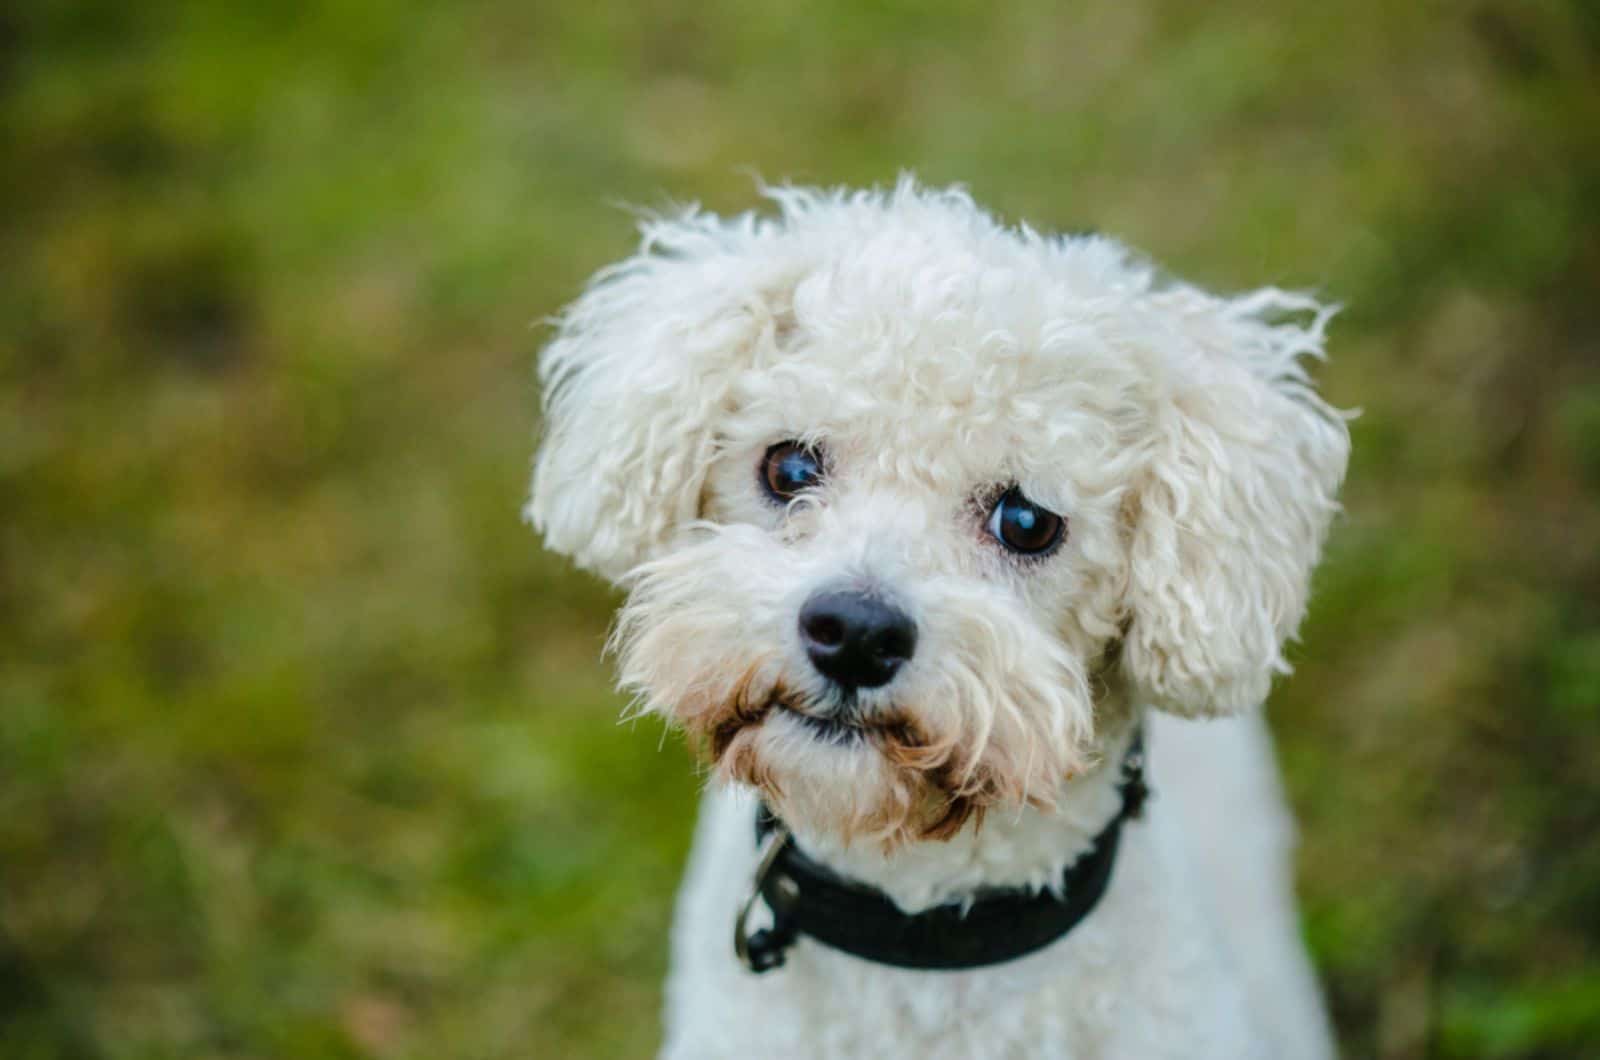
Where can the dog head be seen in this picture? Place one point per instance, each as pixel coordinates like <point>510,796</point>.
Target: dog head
<point>905,502</point>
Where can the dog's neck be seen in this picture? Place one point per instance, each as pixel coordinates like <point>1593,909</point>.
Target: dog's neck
<point>1024,847</point>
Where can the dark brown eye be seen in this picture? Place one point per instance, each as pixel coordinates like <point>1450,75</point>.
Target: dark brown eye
<point>788,469</point>
<point>1023,526</point>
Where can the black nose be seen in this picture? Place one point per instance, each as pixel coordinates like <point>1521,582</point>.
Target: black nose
<point>855,640</point>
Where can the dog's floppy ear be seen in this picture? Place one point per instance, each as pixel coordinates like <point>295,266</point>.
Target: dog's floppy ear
<point>635,377</point>
<point>1235,501</point>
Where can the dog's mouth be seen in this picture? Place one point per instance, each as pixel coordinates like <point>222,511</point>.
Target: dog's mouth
<point>838,731</point>
<point>843,729</point>
<point>927,784</point>
<point>851,731</point>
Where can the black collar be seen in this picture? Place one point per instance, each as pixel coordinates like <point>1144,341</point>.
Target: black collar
<point>996,925</point>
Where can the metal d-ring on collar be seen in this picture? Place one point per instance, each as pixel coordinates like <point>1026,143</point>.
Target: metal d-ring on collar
<point>763,950</point>
<point>994,926</point>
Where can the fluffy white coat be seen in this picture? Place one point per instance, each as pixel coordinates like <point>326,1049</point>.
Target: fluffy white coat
<point>932,359</point>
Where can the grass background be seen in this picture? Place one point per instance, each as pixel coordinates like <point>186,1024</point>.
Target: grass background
<point>305,746</point>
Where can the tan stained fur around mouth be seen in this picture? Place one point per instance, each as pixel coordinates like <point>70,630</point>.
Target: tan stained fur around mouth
<point>937,789</point>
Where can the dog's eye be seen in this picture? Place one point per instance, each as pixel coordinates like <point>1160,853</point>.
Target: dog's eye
<point>1022,526</point>
<point>790,468</point>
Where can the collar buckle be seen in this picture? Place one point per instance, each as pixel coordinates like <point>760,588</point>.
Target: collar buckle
<point>764,950</point>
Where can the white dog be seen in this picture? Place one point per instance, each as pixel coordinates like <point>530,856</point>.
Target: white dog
<point>928,527</point>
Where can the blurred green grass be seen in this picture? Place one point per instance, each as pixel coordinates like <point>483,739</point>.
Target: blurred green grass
<point>306,749</point>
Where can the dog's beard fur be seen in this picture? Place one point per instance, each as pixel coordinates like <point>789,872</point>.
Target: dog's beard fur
<point>991,712</point>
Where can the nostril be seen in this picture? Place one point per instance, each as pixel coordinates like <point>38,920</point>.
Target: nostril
<point>824,630</point>
<point>895,644</point>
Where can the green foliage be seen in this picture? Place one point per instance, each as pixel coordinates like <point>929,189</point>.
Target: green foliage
<point>307,750</point>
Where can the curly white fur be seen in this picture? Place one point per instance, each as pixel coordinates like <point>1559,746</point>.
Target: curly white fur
<point>938,358</point>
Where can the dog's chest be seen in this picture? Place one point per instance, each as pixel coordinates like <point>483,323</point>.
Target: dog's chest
<point>1130,981</point>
